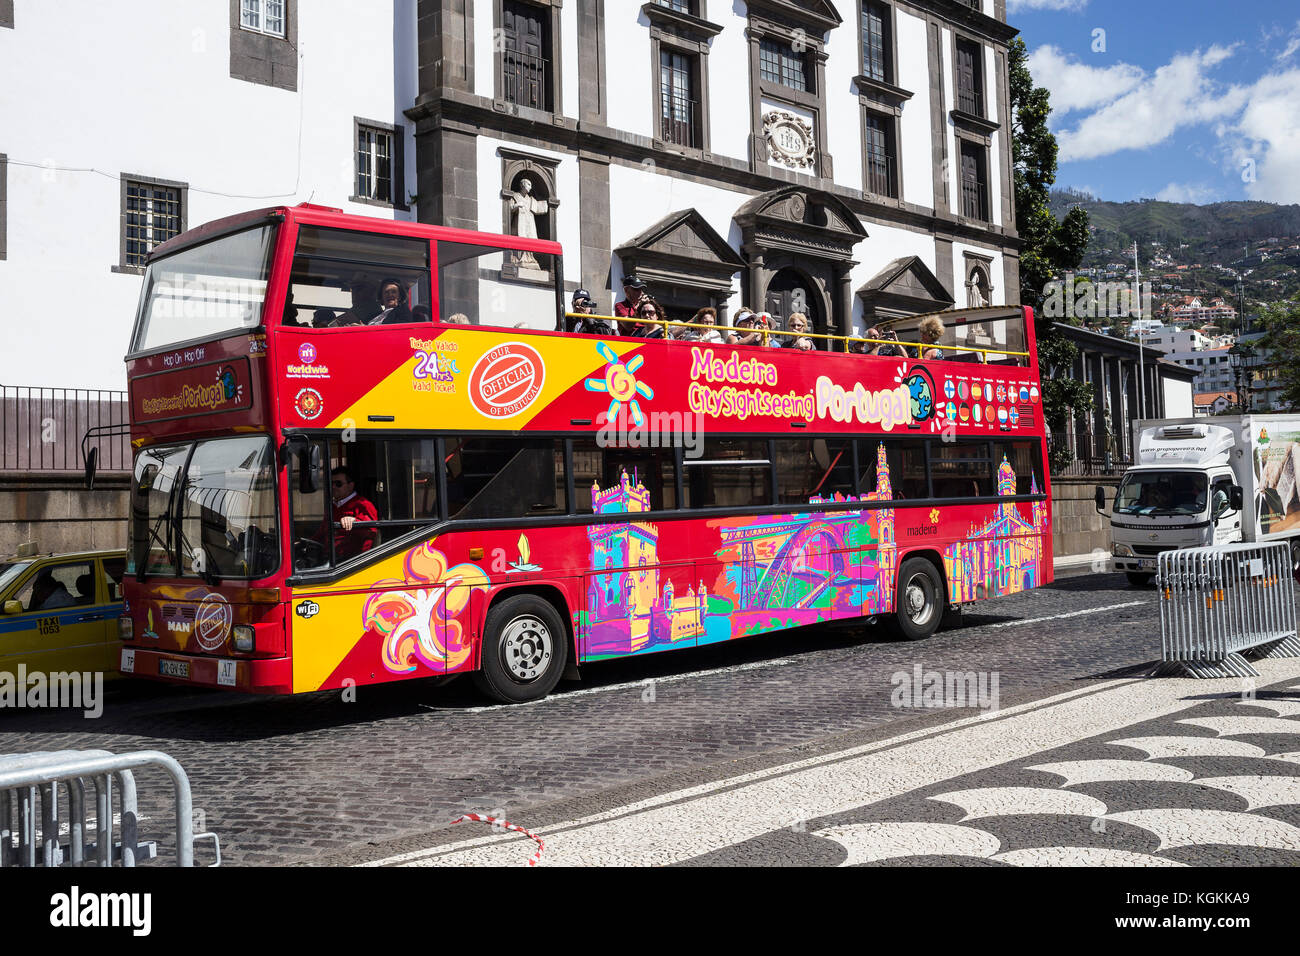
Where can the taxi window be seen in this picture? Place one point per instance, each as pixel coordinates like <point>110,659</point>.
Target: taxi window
<point>59,586</point>
<point>114,569</point>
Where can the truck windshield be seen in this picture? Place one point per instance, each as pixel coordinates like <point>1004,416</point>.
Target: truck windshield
<point>205,510</point>
<point>200,292</point>
<point>1162,493</point>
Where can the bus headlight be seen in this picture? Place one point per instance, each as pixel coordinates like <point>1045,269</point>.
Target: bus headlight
<point>1123,551</point>
<point>243,638</point>
<point>125,627</point>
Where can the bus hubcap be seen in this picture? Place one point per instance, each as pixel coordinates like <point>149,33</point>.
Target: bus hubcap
<point>527,648</point>
<point>917,599</point>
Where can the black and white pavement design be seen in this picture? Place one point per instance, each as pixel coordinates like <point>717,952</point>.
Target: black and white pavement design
<point>1135,772</point>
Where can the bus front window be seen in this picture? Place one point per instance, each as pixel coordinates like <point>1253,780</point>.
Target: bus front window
<point>205,290</point>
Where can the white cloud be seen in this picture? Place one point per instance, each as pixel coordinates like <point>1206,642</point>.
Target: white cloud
<point>1178,94</point>
<point>1017,6</point>
<point>1292,45</point>
<point>1264,142</point>
<point>1078,86</point>
<point>1188,192</point>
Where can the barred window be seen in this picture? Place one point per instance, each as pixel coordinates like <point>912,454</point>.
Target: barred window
<point>779,63</point>
<point>881,162</point>
<point>681,6</point>
<point>262,16</point>
<point>374,164</point>
<point>151,215</point>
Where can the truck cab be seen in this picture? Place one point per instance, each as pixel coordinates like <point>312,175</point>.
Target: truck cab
<point>1184,492</point>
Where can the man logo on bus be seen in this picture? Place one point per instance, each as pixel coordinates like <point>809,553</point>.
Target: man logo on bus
<point>506,380</point>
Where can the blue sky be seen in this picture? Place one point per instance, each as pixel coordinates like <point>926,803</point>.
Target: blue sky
<point>1192,101</point>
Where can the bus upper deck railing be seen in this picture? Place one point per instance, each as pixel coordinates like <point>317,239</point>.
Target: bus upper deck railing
<point>916,348</point>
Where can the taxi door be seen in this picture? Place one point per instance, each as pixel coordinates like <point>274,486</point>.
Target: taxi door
<point>58,626</point>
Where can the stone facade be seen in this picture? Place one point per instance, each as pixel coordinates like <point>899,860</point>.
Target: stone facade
<point>853,164</point>
<point>58,514</point>
<point>1077,528</point>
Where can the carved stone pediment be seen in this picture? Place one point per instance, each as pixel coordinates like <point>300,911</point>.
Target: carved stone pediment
<point>796,217</point>
<point>684,249</point>
<point>906,285</point>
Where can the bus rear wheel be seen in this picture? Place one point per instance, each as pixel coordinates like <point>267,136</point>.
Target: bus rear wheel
<point>525,645</point>
<point>919,604</point>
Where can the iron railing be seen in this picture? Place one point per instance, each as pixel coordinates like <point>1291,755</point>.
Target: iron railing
<point>41,428</point>
<point>523,80</point>
<point>1090,454</point>
<point>970,100</point>
<point>880,174</point>
<point>679,115</point>
<point>974,200</point>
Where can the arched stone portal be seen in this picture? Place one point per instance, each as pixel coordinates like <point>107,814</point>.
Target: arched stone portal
<point>795,233</point>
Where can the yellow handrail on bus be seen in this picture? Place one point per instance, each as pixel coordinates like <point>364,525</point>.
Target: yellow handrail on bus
<point>846,339</point>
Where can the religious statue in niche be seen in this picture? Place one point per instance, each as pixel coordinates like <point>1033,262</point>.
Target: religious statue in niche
<point>978,291</point>
<point>524,210</point>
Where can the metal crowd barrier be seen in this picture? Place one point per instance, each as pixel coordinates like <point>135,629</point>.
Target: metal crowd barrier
<point>1218,603</point>
<point>29,779</point>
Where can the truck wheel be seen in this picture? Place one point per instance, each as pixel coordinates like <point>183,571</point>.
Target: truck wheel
<point>525,645</point>
<point>919,603</point>
<point>1138,579</point>
<point>1295,559</point>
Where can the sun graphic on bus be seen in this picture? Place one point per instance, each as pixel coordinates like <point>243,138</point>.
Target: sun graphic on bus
<point>620,384</point>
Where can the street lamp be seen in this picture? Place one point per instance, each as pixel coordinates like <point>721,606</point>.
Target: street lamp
<point>1239,357</point>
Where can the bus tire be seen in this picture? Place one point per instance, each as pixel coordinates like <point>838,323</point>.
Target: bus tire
<point>1295,559</point>
<point>919,602</point>
<point>525,646</point>
<point>1139,579</point>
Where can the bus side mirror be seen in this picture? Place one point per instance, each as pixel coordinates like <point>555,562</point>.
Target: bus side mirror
<point>1101,499</point>
<point>1236,498</point>
<point>309,464</point>
<point>92,465</point>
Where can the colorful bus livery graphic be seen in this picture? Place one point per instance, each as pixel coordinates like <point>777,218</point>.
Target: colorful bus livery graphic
<point>783,570</point>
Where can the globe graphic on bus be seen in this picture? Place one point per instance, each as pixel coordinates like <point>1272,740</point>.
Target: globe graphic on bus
<point>922,398</point>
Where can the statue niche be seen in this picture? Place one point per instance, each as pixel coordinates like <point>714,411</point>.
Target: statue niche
<point>528,212</point>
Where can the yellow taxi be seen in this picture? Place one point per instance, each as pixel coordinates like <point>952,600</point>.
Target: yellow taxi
<point>58,612</point>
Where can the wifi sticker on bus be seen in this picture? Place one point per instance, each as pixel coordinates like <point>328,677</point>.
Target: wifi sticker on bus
<point>506,380</point>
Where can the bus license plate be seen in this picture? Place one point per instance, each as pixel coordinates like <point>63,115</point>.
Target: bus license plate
<point>179,669</point>
<point>226,673</point>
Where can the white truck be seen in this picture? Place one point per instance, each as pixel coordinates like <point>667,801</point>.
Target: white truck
<point>1205,481</point>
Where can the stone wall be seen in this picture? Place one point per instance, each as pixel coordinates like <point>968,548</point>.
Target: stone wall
<point>58,514</point>
<point>1077,528</point>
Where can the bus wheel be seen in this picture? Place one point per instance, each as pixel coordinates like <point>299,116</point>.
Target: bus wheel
<point>1138,579</point>
<point>920,601</point>
<point>1295,559</point>
<point>524,648</point>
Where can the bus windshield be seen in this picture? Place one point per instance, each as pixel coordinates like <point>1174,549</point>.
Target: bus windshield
<point>1162,493</point>
<point>205,510</point>
<point>200,292</point>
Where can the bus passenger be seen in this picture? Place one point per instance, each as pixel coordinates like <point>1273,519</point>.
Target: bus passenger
<point>585,322</point>
<point>745,331</point>
<point>799,340</point>
<point>931,331</point>
<point>767,323</point>
<point>458,318</point>
<point>365,301</point>
<point>705,316</point>
<point>887,343</point>
<point>392,303</point>
<point>649,314</point>
<point>633,290</point>
<point>349,508</point>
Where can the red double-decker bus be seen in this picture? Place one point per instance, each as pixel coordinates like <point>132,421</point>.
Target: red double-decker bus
<point>364,454</point>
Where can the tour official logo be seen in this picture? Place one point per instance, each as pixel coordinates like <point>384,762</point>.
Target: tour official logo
<point>506,380</point>
<point>212,622</point>
<point>308,403</point>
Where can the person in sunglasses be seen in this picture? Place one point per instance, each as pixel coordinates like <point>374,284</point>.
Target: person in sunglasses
<point>349,508</point>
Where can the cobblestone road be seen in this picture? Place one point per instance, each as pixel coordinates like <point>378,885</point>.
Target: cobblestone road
<point>310,777</point>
